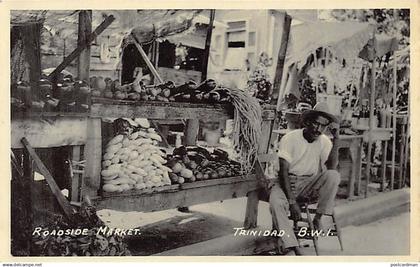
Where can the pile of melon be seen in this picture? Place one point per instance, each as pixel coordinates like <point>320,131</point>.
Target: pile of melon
<point>134,161</point>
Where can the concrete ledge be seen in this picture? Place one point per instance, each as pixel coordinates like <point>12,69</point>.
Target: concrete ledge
<point>373,208</point>
<point>354,213</point>
<point>228,245</point>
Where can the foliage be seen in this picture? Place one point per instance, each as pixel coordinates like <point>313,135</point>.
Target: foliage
<point>389,21</point>
<point>393,23</point>
<point>308,94</point>
<point>259,83</point>
<point>93,244</point>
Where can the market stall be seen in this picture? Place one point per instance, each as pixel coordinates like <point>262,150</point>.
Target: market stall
<point>338,58</point>
<point>108,130</point>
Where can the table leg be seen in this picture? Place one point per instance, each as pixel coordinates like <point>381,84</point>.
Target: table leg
<point>251,213</point>
<point>353,155</point>
<point>358,167</point>
<point>191,132</point>
<point>93,156</point>
<point>384,163</point>
<point>77,174</point>
<point>402,152</point>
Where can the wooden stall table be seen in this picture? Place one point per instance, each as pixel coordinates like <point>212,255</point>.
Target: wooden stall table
<point>47,130</point>
<point>171,196</point>
<point>354,144</point>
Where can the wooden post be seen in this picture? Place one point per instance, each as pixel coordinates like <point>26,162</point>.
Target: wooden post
<point>394,118</point>
<point>191,132</point>
<point>155,57</point>
<point>190,139</point>
<point>384,154</point>
<point>371,114</point>
<point>64,203</point>
<point>354,146</point>
<point>85,30</point>
<point>402,153</point>
<point>22,207</point>
<point>155,54</point>
<point>206,53</point>
<point>64,48</point>
<point>146,59</point>
<point>76,177</point>
<point>31,35</point>
<point>359,168</point>
<point>93,156</point>
<point>251,214</point>
<point>407,149</point>
<point>28,199</point>
<point>165,131</point>
<point>280,59</point>
<point>407,143</point>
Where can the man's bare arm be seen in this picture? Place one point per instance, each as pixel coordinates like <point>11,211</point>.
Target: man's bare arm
<point>285,181</point>
<point>332,161</point>
<point>287,189</point>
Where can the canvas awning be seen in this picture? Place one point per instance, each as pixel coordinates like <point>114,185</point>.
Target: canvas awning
<point>384,44</point>
<point>180,30</point>
<point>146,25</point>
<point>153,24</point>
<point>344,39</point>
<point>191,39</point>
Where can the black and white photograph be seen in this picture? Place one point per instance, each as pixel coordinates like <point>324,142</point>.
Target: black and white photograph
<point>210,132</point>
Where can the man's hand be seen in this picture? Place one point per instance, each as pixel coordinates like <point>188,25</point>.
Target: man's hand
<point>334,129</point>
<point>295,212</point>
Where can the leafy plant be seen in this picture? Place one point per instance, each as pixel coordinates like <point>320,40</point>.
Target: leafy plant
<point>259,83</point>
<point>93,243</point>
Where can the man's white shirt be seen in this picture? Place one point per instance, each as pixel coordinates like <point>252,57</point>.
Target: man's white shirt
<point>303,157</point>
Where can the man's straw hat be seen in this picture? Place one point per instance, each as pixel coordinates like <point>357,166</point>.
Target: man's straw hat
<point>321,109</point>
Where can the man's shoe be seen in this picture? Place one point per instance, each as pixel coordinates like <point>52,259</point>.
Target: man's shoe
<point>183,209</point>
<point>292,251</point>
<point>267,246</point>
<point>298,251</point>
<point>289,252</point>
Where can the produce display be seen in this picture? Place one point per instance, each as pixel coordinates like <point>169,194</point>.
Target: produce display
<point>72,95</point>
<point>247,109</point>
<point>206,92</point>
<point>189,164</point>
<point>65,95</point>
<point>132,160</point>
<point>247,127</point>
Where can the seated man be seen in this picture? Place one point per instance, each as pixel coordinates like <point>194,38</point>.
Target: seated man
<point>306,158</point>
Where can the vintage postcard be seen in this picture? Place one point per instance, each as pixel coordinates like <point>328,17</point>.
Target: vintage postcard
<point>277,132</point>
